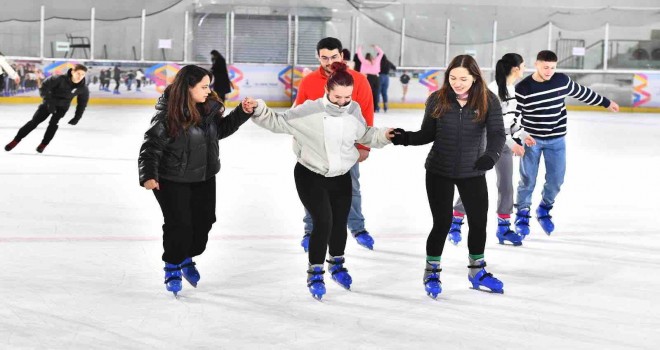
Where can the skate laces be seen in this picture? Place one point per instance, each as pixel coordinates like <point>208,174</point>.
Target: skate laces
<point>547,212</point>
<point>337,266</point>
<point>485,274</point>
<point>432,274</point>
<point>187,265</point>
<point>316,276</point>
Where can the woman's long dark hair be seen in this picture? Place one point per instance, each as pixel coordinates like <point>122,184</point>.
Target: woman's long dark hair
<point>502,70</point>
<point>182,111</point>
<point>478,93</point>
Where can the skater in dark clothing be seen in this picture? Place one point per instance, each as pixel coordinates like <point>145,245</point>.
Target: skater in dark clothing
<point>221,82</point>
<point>179,159</point>
<point>464,121</point>
<point>384,77</point>
<point>117,79</point>
<point>57,92</point>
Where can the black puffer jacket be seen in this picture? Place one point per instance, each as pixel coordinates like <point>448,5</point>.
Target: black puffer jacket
<point>193,155</point>
<point>458,141</point>
<point>60,90</point>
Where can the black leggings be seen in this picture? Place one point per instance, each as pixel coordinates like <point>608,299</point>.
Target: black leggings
<point>189,212</point>
<point>474,194</point>
<point>328,201</point>
<point>39,116</point>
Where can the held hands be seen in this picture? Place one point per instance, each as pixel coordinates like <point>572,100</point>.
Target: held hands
<point>400,137</point>
<point>151,184</point>
<point>390,134</point>
<point>248,105</point>
<point>614,107</point>
<point>484,163</point>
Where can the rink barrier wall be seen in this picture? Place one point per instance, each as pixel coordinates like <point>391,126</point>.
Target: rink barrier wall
<point>278,84</point>
<point>286,104</point>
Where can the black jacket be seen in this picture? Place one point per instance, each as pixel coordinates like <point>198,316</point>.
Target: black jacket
<point>386,65</point>
<point>60,90</point>
<point>221,83</point>
<point>193,155</point>
<point>458,141</point>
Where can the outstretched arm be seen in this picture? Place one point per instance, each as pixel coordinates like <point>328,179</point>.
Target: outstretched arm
<point>271,120</point>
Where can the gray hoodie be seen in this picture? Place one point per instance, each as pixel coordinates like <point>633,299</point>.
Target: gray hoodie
<point>324,134</point>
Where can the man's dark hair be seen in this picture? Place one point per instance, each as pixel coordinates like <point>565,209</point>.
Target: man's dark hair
<point>80,67</point>
<point>328,43</point>
<point>546,56</point>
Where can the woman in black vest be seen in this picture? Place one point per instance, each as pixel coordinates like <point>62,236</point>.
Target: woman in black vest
<point>464,121</point>
<point>179,159</point>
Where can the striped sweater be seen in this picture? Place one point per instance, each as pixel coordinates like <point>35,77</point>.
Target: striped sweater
<point>541,104</point>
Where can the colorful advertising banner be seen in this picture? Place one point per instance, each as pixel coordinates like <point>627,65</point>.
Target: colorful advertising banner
<point>646,90</point>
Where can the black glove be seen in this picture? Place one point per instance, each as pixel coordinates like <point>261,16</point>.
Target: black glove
<point>484,163</point>
<point>74,121</point>
<point>400,137</point>
<point>52,108</point>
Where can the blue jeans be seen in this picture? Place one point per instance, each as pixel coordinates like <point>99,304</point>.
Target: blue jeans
<point>355,218</point>
<point>384,84</point>
<point>554,155</point>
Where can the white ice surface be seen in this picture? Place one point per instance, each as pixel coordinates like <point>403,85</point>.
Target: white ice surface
<point>80,249</point>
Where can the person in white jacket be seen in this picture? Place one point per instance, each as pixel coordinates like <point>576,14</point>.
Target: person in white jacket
<point>325,133</point>
<point>508,70</point>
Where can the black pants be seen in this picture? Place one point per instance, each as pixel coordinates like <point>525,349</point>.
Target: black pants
<point>474,194</point>
<point>189,212</point>
<point>374,82</point>
<point>328,201</point>
<point>39,116</point>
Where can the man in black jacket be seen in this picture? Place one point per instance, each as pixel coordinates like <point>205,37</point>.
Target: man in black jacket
<point>57,92</point>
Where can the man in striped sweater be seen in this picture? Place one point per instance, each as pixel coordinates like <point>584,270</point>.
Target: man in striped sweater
<point>540,98</point>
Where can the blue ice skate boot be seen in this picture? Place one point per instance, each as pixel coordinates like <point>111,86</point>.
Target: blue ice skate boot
<point>190,272</point>
<point>522,222</point>
<point>544,218</point>
<point>172,278</point>
<point>504,233</point>
<point>480,278</point>
<point>305,241</point>
<point>454,235</point>
<point>315,281</point>
<point>364,239</point>
<point>431,280</point>
<point>339,272</point>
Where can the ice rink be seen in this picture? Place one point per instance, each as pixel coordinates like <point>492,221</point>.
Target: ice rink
<point>80,248</point>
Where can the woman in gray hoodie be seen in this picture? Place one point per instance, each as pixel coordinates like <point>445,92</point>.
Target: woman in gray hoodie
<point>325,133</point>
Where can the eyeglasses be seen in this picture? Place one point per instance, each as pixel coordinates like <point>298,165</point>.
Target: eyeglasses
<point>328,59</point>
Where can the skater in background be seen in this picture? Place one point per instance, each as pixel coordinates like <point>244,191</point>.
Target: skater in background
<point>370,66</point>
<point>57,92</point>
<point>508,70</point>
<point>542,108</point>
<point>404,79</point>
<point>312,87</point>
<point>117,79</point>
<point>384,79</point>
<point>347,59</point>
<point>356,63</point>
<point>139,76</point>
<point>179,159</point>
<point>464,121</point>
<point>326,129</point>
<point>7,75</point>
<point>221,82</point>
